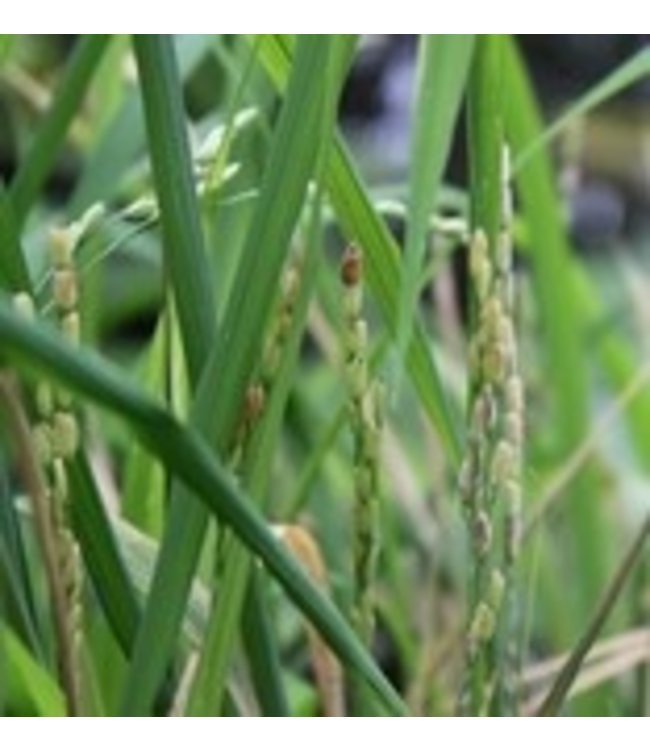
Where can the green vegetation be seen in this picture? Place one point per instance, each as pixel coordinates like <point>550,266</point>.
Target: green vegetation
<point>247,467</point>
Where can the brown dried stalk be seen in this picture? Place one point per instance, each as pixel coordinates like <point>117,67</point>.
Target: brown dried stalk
<point>64,625</point>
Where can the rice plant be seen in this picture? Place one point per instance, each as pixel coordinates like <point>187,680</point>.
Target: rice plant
<point>280,438</point>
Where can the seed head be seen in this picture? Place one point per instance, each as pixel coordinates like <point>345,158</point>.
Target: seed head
<point>482,626</point>
<point>284,321</point>
<point>290,283</point>
<point>506,334</point>
<point>61,247</point>
<point>60,483</point>
<point>494,363</point>
<point>351,266</point>
<point>492,315</point>
<point>480,266</point>
<point>357,371</point>
<point>71,327</point>
<point>143,209</point>
<point>484,411</point>
<point>24,305</point>
<point>254,402</point>
<point>65,290</point>
<point>514,394</point>
<point>44,399</point>
<point>91,217</point>
<point>503,462</point>
<point>42,443</point>
<point>466,479</point>
<point>370,408</point>
<point>512,497</point>
<point>65,434</point>
<point>63,398</point>
<point>353,302</point>
<point>482,532</point>
<point>357,336</point>
<point>514,428</point>
<point>365,480</point>
<point>496,589</point>
<point>271,358</point>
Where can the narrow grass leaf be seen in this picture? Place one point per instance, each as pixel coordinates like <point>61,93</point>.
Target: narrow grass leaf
<point>261,649</point>
<point>174,183</point>
<point>16,590</point>
<point>36,165</point>
<point>626,74</point>
<point>209,683</point>
<point>569,672</point>
<point>187,456</point>
<point>563,326</point>
<point>443,66</point>
<point>361,223</point>
<point>232,361</point>
<point>101,554</point>
<point>263,658</point>
<point>617,358</point>
<point>485,135</point>
<point>190,279</point>
<point>14,275</point>
<point>125,136</point>
<point>216,654</point>
<point>27,685</point>
<point>142,500</point>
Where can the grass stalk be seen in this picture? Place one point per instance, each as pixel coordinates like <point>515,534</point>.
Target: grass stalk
<point>554,699</point>
<point>40,498</point>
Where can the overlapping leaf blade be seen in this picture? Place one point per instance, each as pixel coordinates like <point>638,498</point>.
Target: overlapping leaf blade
<point>187,456</point>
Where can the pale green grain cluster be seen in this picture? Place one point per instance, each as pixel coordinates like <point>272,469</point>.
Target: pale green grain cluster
<point>56,434</point>
<point>55,439</point>
<point>283,319</point>
<point>65,427</point>
<point>490,476</point>
<point>366,416</point>
<point>258,392</point>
